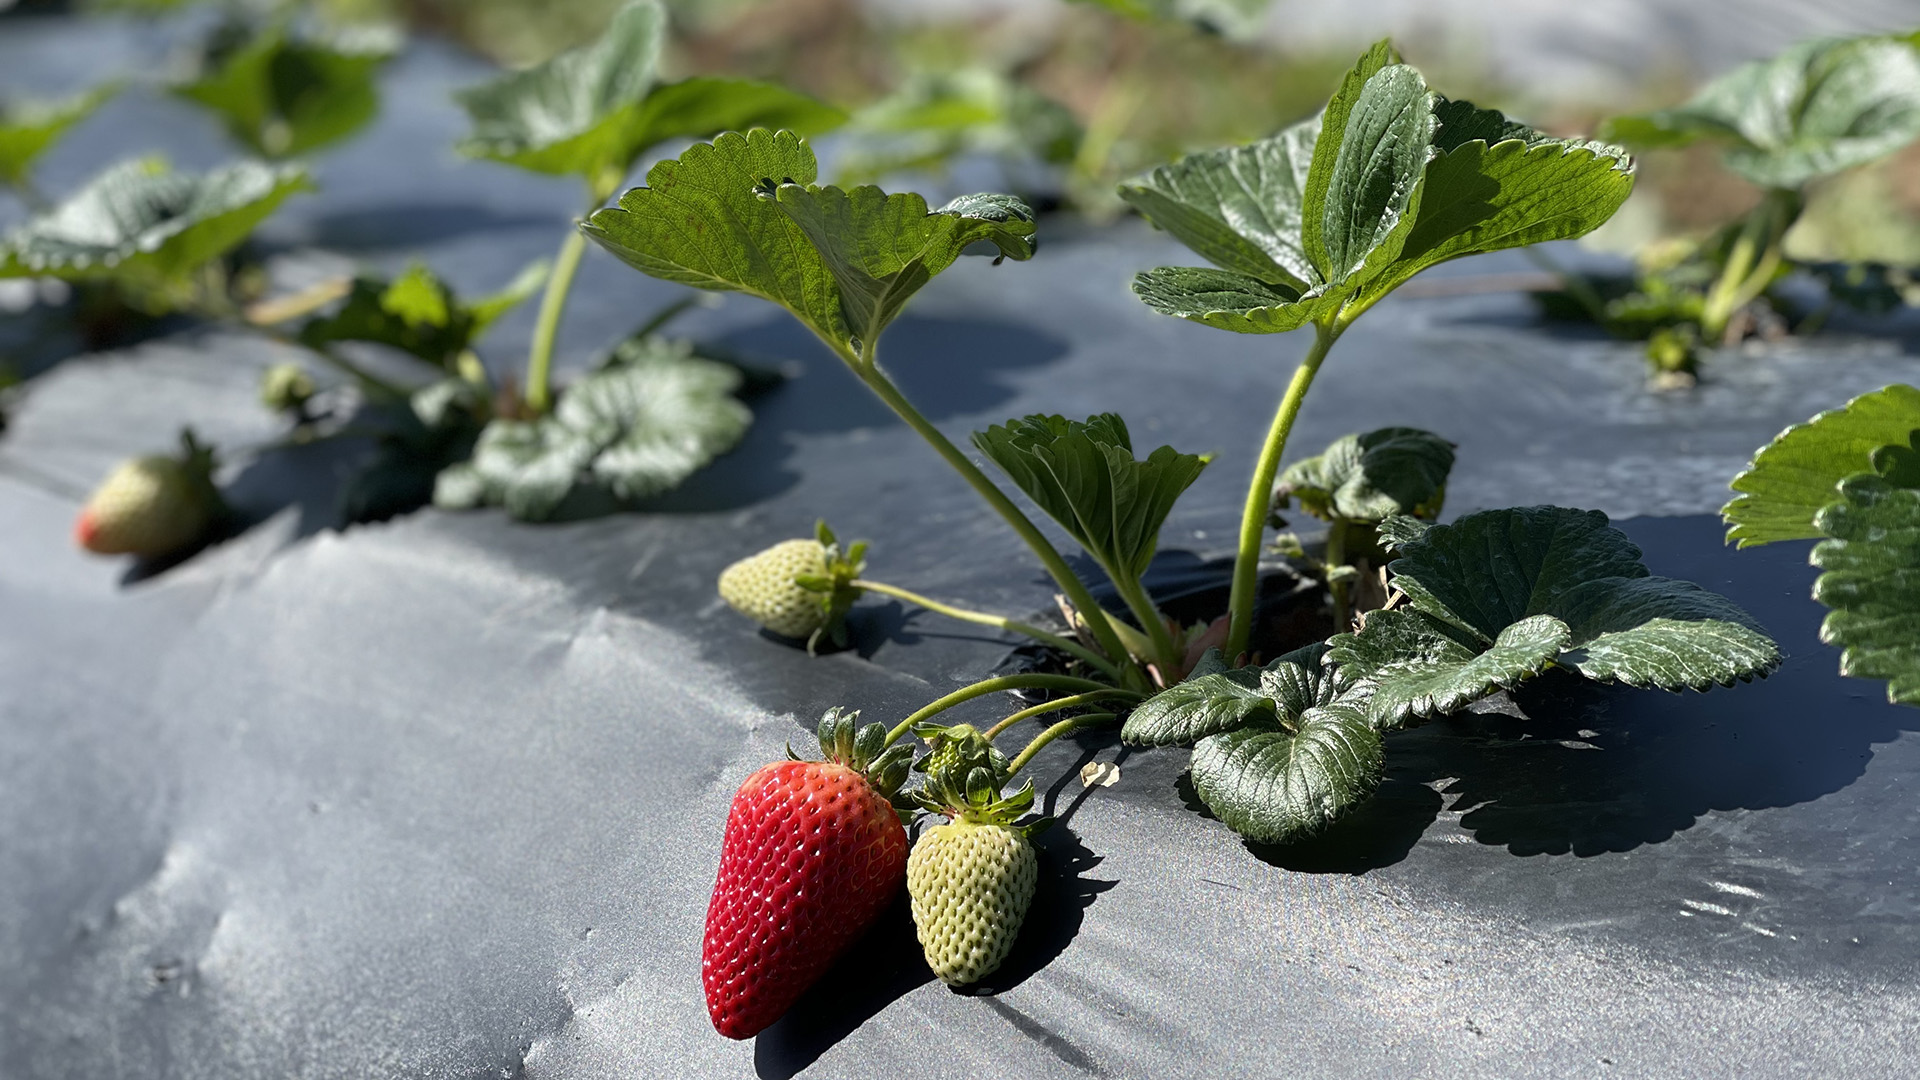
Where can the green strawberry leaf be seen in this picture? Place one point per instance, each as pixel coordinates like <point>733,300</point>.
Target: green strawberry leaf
<point>1215,699</point>
<point>592,111</point>
<point>881,249</point>
<point>1871,559</point>
<point>417,313</point>
<point>1277,784</point>
<point>1084,475</point>
<point>1216,16</point>
<point>741,214</point>
<point>1238,207</point>
<point>630,430</point>
<point>282,97</point>
<point>138,221</point>
<point>1319,222</point>
<point>1422,669</point>
<point>27,129</point>
<point>1815,109</point>
<point>1502,594</point>
<point>1371,477</point>
<point>1792,478</point>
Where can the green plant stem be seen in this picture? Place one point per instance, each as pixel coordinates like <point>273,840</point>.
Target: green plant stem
<point>1166,655</point>
<point>1052,733</point>
<point>866,367</point>
<point>1033,681</point>
<point>1756,256</point>
<point>982,618</point>
<point>553,304</point>
<point>1253,517</point>
<point>1054,706</point>
<point>1336,558</point>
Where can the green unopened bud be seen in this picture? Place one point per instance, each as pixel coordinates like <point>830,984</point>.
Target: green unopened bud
<point>286,388</point>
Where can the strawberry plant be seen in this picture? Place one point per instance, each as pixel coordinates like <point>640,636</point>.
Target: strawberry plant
<point>845,264</point>
<point>1850,478</point>
<point>1815,110</point>
<point>1318,223</point>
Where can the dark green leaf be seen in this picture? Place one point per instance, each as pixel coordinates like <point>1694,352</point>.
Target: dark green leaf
<point>623,433</point>
<point>1084,475</point>
<point>1421,670</point>
<point>592,111</point>
<point>27,129</point>
<point>1492,569</point>
<point>1399,530</point>
<point>1372,476</point>
<point>140,221</point>
<point>282,97</point>
<point>881,249</point>
<point>1239,208</point>
<point>1398,181</point>
<point>1274,785</point>
<point>1215,699</point>
<point>1792,478</point>
<point>1817,108</point>
<point>1658,632</point>
<point>1871,561</point>
<point>1563,575</point>
<point>741,213</point>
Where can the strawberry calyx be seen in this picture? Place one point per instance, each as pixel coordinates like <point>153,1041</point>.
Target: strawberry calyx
<point>965,776</point>
<point>835,588</point>
<point>863,749</point>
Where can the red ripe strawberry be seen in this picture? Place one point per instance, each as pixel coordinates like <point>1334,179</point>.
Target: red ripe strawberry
<point>814,852</point>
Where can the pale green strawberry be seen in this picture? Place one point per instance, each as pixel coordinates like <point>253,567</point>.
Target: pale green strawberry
<point>970,884</point>
<point>762,588</point>
<point>151,506</point>
<point>797,588</point>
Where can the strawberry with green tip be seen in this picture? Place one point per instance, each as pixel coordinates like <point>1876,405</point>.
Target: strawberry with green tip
<point>798,588</point>
<point>814,852</point>
<point>972,879</point>
<point>152,506</point>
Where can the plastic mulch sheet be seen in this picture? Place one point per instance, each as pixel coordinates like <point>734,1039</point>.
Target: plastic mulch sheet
<point>442,797</point>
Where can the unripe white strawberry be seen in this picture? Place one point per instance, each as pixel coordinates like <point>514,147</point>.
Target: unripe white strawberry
<point>151,506</point>
<point>762,588</point>
<point>970,884</point>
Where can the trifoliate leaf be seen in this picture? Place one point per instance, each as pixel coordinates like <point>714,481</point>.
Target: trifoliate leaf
<point>1871,561</point>
<point>282,96</point>
<point>937,117</point>
<point>623,433</point>
<point>1792,478</point>
<point>741,213</point>
<point>1395,180</point>
<point>1275,785</point>
<point>1213,700</point>
<point>27,129</point>
<point>1817,108</point>
<point>1499,595</point>
<point>417,313</point>
<point>140,221</point>
<point>1372,476</point>
<point>592,111</point>
<point>1421,670</point>
<point>1084,475</point>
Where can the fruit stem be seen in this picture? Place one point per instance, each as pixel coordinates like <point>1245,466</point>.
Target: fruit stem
<point>1052,733</point>
<point>1253,516</point>
<point>866,366</point>
<point>1336,558</point>
<point>1051,706</point>
<point>1029,681</point>
<point>553,304</point>
<point>1101,663</point>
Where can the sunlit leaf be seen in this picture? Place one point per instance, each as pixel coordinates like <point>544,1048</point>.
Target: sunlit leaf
<point>27,129</point>
<point>1793,477</point>
<point>283,96</point>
